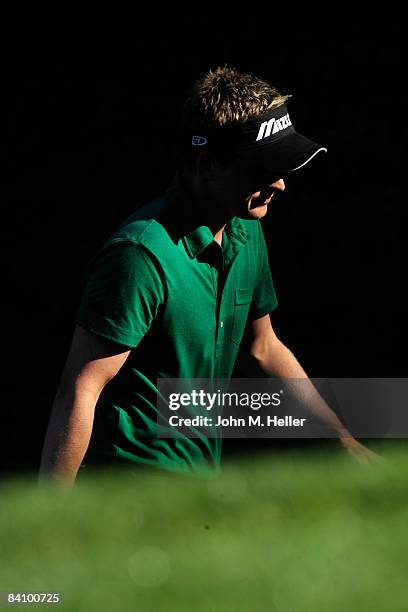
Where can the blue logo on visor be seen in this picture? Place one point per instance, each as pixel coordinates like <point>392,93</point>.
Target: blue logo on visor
<point>199,141</point>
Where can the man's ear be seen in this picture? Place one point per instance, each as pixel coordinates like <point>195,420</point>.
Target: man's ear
<point>206,165</point>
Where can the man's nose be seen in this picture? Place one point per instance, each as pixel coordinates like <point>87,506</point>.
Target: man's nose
<point>279,184</point>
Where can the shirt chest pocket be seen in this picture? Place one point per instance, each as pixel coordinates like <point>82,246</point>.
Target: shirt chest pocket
<point>242,302</point>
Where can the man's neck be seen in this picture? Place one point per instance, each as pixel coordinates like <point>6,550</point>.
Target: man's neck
<point>205,212</point>
<point>218,235</point>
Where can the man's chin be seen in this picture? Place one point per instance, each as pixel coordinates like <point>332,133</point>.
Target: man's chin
<point>257,212</point>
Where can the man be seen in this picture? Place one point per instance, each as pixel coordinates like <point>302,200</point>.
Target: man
<point>170,292</point>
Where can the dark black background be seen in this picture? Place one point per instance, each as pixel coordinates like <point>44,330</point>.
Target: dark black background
<point>90,136</point>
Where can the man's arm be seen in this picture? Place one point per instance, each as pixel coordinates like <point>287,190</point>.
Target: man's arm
<point>275,359</point>
<point>92,362</point>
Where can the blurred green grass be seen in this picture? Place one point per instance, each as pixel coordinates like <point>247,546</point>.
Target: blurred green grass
<point>292,532</point>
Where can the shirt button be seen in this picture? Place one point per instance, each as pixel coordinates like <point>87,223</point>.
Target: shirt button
<point>222,324</point>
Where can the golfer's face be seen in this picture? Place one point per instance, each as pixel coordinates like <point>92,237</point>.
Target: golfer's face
<point>251,192</point>
<point>257,201</point>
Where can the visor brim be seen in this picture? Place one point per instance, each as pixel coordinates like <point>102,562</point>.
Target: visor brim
<point>288,154</point>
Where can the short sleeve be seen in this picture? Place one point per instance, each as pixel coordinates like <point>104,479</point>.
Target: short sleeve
<point>123,294</point>
<point>264,298</point>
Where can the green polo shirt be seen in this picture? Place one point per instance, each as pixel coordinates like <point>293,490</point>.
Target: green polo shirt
<point>167,290</point>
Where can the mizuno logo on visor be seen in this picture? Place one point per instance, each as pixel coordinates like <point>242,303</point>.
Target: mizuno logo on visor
<point>272,126</point>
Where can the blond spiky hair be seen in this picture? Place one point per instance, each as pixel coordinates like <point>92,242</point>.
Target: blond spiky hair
<point>225,96</point>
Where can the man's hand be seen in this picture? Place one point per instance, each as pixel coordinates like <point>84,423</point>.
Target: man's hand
<point>275,359</point>
<point>359,452</point>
